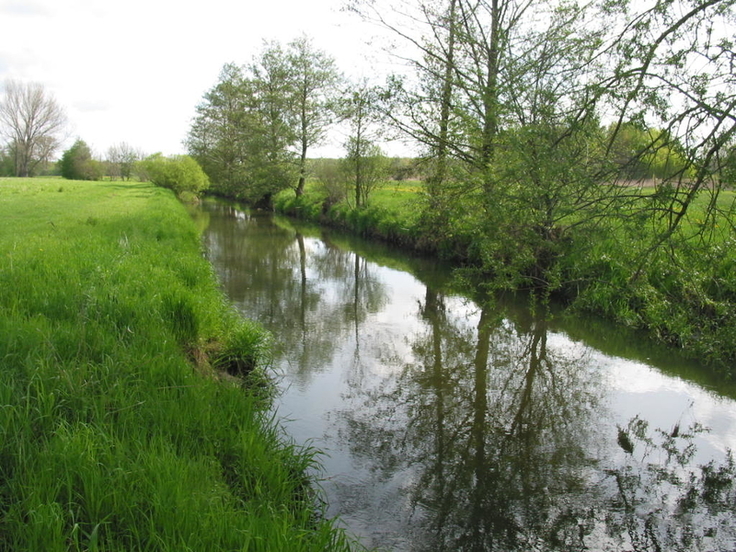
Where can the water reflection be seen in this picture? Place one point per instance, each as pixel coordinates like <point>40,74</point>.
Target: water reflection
<point>500,428</point>
<point>453,426</point>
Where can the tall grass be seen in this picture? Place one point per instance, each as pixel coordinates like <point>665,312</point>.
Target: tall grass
<point>115,431</point>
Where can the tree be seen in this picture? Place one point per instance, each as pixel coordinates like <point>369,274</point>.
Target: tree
<point>502,104</point>
<point>273,91</point>
<point>216,138</point>
<point>180,173</point>
<point>77,163</point>
<point>7,161</point>
<point>673,70</point>
<point>242,133</point>
<point>32,121</point>
<point>250,123</point>
<point>331,179</point>
<point>272,158</point>
<point>365,164</point>
<point>121,159</point>
<point>313,79</point>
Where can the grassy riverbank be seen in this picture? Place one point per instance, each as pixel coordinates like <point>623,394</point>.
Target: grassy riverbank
<point>117,433</point>
<point>682,294</point>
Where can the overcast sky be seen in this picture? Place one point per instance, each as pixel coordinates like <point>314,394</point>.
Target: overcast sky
<point>133,70</point>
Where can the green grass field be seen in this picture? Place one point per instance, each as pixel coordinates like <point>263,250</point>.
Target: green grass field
<point>117,433</point>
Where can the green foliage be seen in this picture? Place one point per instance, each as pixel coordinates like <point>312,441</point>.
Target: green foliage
<point>727,169</point>
<point>683,295</point>
<point>254,127</point>
<point>241,134</point>
<point>312,81</point>
<point>330,178</point>
<point>308,206</point>
<point>77,164</point>
<point>180,173</point>
<point>403,168</point>
<point>640,153</point>
<point>7,161</point>
<point>392,217</point>
<point>112,438</point>
<point>365,167</point>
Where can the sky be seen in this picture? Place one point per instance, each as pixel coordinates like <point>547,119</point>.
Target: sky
<point>133,71</point>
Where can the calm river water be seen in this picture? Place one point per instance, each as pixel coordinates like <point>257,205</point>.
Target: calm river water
<point>449,425</point>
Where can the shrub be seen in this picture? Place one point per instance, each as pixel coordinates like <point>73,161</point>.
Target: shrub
<point>180,173</point>
<point>77,164</point>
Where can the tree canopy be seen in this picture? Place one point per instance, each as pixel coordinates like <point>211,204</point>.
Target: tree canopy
<point>253,129</point>
<point>77,163</point>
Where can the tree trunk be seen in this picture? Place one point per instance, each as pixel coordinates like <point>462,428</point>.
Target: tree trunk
<point>436,182</point>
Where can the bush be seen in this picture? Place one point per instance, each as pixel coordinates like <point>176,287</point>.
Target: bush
<point>77,164</point>
<point>180,173</point>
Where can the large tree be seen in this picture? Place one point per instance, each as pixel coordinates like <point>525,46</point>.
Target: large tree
<point>217,136</point>
<point>242,132</point>
<point>500,100</point>
<point>253,130</point>
<point>32,122</point>
<point>314,78</point>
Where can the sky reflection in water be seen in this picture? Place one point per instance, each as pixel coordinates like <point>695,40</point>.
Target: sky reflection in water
<point>448,426</point>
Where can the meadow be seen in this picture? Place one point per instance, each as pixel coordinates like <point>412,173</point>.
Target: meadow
<point>120,429</point>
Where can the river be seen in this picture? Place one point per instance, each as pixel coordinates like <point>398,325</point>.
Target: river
<point>450,425</point>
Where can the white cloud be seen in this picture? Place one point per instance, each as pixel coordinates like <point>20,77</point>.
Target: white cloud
<point>22,7</point>
<point>134,70</point>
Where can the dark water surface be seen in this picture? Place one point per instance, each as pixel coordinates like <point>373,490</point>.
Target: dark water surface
<point>447,425</point>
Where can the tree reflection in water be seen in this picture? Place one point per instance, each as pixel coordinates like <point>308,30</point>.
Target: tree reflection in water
<point>474,429</point>
<point>501,433</point>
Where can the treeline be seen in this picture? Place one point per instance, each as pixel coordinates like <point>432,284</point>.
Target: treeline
<point>537,108</point>
<point>582,150</point>
<point>180,173</point>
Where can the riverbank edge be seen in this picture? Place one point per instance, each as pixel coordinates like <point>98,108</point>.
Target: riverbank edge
<point>118,432</point>
<point>697,331</point>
